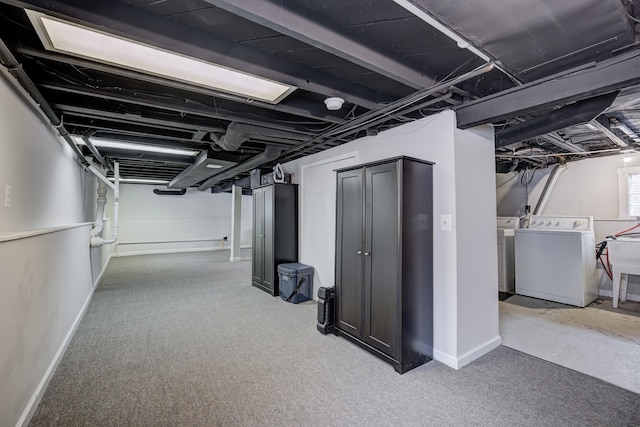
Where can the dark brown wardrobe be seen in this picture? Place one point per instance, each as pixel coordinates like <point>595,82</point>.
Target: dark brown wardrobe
<point>275,233</point>
<point>384,259</point>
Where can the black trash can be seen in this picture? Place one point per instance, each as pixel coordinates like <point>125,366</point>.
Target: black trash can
<point>296,282</point>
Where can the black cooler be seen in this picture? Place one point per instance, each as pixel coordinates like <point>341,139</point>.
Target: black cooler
<point>296,282</point>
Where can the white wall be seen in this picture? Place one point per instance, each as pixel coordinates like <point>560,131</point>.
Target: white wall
<point>456,340</point>
<point>198,220</point>
<point>477,260</point>
<point>47,270</point>
<point>586,187</point>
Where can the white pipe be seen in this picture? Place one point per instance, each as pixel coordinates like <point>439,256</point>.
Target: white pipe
<point>101,177</point>
<point>95,240</point>
<point>102,201</point>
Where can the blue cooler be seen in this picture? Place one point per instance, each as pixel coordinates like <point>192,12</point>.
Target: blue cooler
<point>296,282</point>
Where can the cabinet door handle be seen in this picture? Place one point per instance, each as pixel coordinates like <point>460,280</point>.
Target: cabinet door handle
<point>359,252</point>
<point>262,235</point>
<point>367,253</point>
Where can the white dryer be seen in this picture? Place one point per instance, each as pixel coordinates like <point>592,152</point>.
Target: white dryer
<point>506,264</point>
<point>555,259</point>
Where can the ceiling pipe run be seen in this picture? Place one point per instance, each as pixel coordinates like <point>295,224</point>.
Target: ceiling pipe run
<point>15,68</point>
<point>268,155</point>
<point>573,114</point>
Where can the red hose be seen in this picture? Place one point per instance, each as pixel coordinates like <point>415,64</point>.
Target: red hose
<point>629,229</point>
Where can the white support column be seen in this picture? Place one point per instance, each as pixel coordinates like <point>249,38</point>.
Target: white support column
<point>236,215</point>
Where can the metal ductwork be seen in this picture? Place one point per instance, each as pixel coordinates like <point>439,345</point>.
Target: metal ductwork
<point>548,188</point>
<point>201,169</point>
<point>268,155</point>
<point>579,112</point>
<point>238,133</point>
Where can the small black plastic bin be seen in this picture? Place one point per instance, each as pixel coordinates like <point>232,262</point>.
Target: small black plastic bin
<point>296,282</point>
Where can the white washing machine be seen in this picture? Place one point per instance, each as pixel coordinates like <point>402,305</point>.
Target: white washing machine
<point>506,263</point>
<point>555,259</point>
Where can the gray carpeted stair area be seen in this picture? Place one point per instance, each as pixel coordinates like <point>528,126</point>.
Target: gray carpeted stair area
<point>185,340</point>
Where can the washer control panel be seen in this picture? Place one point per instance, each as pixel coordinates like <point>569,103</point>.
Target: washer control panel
<point>508,222</point>
<point>571,223</point>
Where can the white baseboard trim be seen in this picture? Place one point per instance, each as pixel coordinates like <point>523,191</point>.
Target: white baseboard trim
<point>168,251</point>
<point>116,253</point>
<point>607,293</point>
<point>31,407</point>
<point>104,268</point>
<point>468,357</point>
<point>445,358</point>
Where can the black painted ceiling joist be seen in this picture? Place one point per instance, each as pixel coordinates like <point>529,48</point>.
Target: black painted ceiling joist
<point>178,106</point>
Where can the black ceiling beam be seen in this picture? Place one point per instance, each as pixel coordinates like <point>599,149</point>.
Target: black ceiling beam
<point>177,105</point>
<point>290,105</point>
<point>106,124</point>
<point>301,24</point>
<point>137,24</point>
<point>147,119</point>
<point>114,153</point>
<point>604,77</point>
<point>570,115</point>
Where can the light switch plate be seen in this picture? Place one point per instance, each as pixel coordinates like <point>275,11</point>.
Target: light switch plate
<point>445,222</point>
<point>7,196</point>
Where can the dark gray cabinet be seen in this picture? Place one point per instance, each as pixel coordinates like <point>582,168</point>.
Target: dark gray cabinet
<point>384,259</point>
<point>275,233</point>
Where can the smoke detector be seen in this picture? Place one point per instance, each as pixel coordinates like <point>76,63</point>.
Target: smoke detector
<point>334,103</point>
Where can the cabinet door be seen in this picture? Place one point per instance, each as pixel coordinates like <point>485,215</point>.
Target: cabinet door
<point>268,230</point>
<point>381,277</point>
<point>349,252</point>
<point>258,236</point>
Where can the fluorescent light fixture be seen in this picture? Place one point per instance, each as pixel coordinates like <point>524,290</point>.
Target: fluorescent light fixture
<point>108,143</point>
<point>214,166</point>
<point>141,181</point>
<point>626,159</point>
<point>73,39</point>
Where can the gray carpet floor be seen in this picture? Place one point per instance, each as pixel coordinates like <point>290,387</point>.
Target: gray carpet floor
<point>185,340</point>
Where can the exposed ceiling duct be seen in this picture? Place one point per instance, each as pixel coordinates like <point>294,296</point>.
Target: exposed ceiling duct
<point>270,154</point>
<point>238,133</point>
<point>572,114</point>
<point>203,168</point>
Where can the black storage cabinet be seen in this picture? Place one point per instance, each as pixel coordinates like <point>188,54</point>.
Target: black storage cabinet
<point>275,233</point>
<point>384,259</point>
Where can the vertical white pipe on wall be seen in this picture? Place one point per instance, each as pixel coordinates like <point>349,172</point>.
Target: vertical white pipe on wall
<point>236,213</point>
<point>96,241</point>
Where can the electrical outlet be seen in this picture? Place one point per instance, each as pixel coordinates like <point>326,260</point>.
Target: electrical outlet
<point>445,222</point>
<point>7,196</point>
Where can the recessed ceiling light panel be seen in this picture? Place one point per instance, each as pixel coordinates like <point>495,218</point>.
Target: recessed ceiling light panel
<point>73,39</point>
